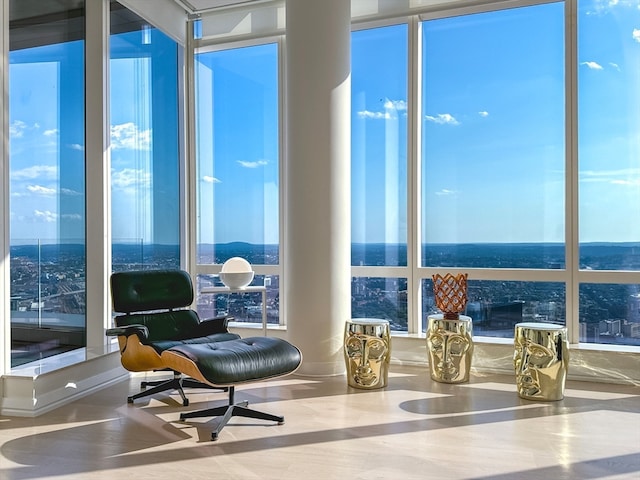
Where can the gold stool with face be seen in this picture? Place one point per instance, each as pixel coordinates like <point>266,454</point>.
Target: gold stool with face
<point>541,360</point>
<point>450,347</point>
<point>367,352</point>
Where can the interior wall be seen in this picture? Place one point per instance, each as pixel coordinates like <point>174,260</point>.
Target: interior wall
<point>163,14</point>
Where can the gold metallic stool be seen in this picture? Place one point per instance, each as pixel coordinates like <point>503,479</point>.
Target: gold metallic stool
<point>367,352</point>
<point>541,360</point>
<point>450,347</point>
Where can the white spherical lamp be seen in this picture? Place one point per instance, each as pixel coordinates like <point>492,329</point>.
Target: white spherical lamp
<point>236,273</point>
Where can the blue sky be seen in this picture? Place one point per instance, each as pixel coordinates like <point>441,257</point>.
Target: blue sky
<point>493,135</point>
<point>47,143</point>
<point>237,143</point>
<point>47,194</point>
<point>493,124</point>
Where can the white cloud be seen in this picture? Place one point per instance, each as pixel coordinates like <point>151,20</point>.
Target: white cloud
<point>128,136</point>
<point>483,114</point>
<point>636,34</point>
<point>443,119</point>
<point>399,105</point>
<point>17,129</point>
<point>391,108</point>
<point>47,216</point>
<point>68,191</point>
<point>71,216</point>
<point>50,133</point>
<point>374,115</point>
<point>76,146</point>
<point>130,177</point>
<point>615,66</point>
<point>40,190</point>
<point>624,177</point>
<point>257,164</point>
<point>592,65</point>
<point>445,192</point>
<point>635,182</point>
<point>209,179</point>
<point>36,171</point>
<point>601,7</point>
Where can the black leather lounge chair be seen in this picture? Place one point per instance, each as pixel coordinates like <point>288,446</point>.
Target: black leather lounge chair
<point>155,317</point>
<point>218,364</point>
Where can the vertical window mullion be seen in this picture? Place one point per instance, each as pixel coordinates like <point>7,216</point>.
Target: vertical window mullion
<point>571,178</point>
<point>414,128</point>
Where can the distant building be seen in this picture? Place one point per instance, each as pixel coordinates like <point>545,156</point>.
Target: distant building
<point>633,308</point>
<point>547,310</point>
<point>631,329</point>
<point>503,315</point>
<point>610,327</point>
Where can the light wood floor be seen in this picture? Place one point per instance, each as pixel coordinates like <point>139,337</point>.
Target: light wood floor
<point>415,428</point>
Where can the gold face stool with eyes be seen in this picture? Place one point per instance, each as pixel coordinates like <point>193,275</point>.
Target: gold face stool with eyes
<point>367,352</point>
<point>540,360</point>
<point>450,347</point>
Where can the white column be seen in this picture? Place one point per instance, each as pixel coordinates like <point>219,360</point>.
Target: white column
<point>317,243</point>
<point>5,239</point>
<point>98,175</point>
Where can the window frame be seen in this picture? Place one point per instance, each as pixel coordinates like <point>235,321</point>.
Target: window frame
<point>207,46</point>
<point>571,276</point>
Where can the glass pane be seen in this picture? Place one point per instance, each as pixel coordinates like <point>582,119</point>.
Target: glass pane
<point>610,313</point>
<point>237,154</point>
<point>145,155</point>
<point>379,146</point>
<point>608,147</point>
<point>493,148</point>
<point>385,298</point>
<point>496,306</point>
<point>243,307</point>
<point>46,179</point>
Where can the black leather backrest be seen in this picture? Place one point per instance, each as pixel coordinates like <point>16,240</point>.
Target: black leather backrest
<point>175,325</point>
<point>139,291</point>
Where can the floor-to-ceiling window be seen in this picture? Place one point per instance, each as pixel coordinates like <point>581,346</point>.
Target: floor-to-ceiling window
<point>379,174</point>
<point>237,177</point>
<point>608,70</point>
<point>47,165</point>
<point>145,144</point>
<point>47,184</point>
<point>493,162</point>
<point>526,167</point>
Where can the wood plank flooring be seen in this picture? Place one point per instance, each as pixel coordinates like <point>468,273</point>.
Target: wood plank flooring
<point>413,429</point>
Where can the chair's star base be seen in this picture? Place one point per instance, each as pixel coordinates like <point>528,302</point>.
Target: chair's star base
<point>231,410</point>
<point>178,382</point>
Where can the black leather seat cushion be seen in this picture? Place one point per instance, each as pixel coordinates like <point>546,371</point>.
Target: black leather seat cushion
<point>162,345</point>
<point>242,360</point>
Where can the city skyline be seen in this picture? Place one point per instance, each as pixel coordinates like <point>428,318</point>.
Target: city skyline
<point>47,287</point>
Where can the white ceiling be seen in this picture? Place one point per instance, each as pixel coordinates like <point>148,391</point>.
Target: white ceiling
<point>199,6</point>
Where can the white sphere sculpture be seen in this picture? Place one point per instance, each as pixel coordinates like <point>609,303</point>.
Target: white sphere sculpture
<point>236,273</point>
